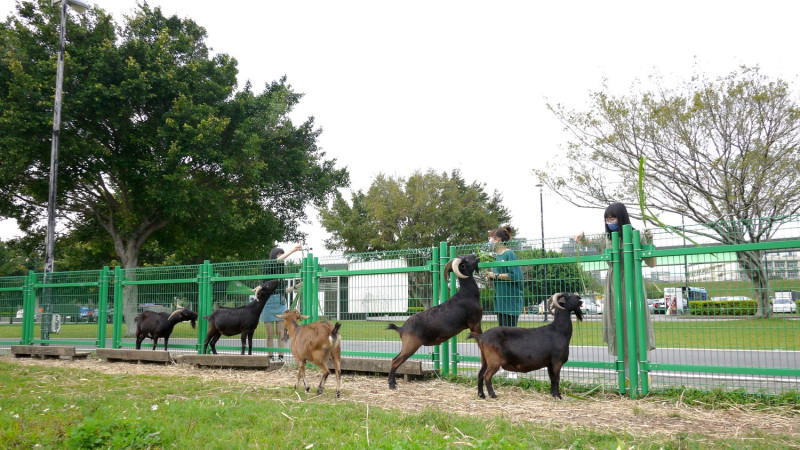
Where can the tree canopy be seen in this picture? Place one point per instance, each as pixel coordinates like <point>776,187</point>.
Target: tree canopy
<point>418,212</point>
<point>722,152</point>
<point>156,142</point>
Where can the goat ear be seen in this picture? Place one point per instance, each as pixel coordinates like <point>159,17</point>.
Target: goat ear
<point>304,317</point>
<point>280,316</point>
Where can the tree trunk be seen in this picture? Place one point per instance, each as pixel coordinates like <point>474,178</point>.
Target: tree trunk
<point>130,293</point>
<point>755,268</point>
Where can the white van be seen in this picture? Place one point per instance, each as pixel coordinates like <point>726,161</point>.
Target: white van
<point>676,300</point>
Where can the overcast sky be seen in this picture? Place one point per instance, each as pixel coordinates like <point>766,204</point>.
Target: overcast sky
<point>404,86</point>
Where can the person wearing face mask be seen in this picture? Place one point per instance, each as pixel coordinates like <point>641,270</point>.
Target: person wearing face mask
<point>615,216</point>
<point>507,280</point>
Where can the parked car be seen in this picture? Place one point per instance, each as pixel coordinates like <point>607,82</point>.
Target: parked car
<point>591,306</point>
<point>784,305</point>
<point>36,316</point>
<point>658,306</point>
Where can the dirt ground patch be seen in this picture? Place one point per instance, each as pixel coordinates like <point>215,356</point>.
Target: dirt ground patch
<point>607,413</point>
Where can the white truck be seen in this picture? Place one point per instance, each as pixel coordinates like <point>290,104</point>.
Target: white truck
<point>788,295</point>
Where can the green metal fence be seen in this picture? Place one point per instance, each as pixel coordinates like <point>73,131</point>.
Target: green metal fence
<point>12,298</point>
<point>701,299</point>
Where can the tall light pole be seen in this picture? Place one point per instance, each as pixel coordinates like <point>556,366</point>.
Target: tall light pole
<point>541,211</point>
<point>79,6</point>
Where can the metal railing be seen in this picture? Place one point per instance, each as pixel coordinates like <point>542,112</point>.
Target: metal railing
<point>728,350</point>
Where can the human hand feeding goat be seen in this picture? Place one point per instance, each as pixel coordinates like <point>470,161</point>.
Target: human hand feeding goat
<point>317,342</point>
<point>154,325</point>
<point>438,324</point>
<point>240,320</point>
<point>527,349</point>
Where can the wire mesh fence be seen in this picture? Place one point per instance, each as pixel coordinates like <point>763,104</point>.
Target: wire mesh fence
<point>11,309</point>
<point>722,300</point>
<point>367,291</point>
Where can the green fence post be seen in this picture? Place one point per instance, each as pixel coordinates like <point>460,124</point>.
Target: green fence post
<point>305,306</point>
<point>639,308</point>
<point>312,274</point>
<point>205,300</point>
<point>454,340</point>
<point>28,308</point>
<point>619,363</point>
<point>630,323</point>
<point>102,307</point>
<point>435,268</point>
<point>443,291</point>
<point>116,328</point>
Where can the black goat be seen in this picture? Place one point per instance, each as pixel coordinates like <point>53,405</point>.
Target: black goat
<point>154,325</point>
<point>242,319</point>
<point>526,349</point>
<point>438,324</point>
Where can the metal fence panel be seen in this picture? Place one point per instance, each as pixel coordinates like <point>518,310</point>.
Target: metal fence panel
<point>12,297</point>
<point>367,291</point>
<point>702,297</point>
<point>162,289</point>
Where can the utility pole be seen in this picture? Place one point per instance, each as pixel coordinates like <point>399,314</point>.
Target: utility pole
<point>541,211</point>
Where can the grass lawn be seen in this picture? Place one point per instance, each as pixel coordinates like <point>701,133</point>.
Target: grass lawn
<point>65,407</point>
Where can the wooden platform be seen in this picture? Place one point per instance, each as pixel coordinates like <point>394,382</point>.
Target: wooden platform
<point>222,361</point>
<point>48,351</point>
<point>382,366</point>
<point>118,354</point>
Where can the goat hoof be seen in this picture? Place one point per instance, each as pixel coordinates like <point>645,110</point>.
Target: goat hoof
<point>338,394</point>
<point>494,395</point>
<point>480,395</point>
<point>392,386</point>
<point>308,389</point>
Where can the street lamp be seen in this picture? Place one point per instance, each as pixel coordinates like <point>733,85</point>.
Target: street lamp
<point>79,6</point>
<point>541,211</point>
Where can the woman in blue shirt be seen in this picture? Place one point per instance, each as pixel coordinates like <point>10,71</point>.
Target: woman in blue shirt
<point>276,304</point>
<point>507,280</point>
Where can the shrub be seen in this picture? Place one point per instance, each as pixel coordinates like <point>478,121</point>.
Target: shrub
<point>724,308</point>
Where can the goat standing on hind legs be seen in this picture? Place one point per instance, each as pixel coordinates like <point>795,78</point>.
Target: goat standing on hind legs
<point>438,324</point>
<point>527,349</point>
<point>317,342</point>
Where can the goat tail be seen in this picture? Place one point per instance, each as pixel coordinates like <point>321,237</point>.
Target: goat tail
<point>395,328</point>
<point>475,336</point>
<point>335,338</point>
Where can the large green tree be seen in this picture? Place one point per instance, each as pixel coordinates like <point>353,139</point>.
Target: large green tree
<point>419,212</point>
<point>156,142</point>
<point>723,152</point>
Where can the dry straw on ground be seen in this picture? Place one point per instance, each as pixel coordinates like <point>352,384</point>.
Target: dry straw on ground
<point>609,412</point>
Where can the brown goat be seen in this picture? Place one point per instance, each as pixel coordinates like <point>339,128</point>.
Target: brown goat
<point>317,342</point>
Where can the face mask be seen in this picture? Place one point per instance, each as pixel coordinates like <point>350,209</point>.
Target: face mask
<point>613,226</point>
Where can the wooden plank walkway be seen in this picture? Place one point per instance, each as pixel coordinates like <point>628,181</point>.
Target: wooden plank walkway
<point>223,361</point>
<point>118,354</point>
<point>382,366</point>
<point>48,351</point>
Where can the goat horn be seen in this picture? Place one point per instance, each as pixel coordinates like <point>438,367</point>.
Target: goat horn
<point>554,300</point>
<point>173,313</point>
<point>454,267</point>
